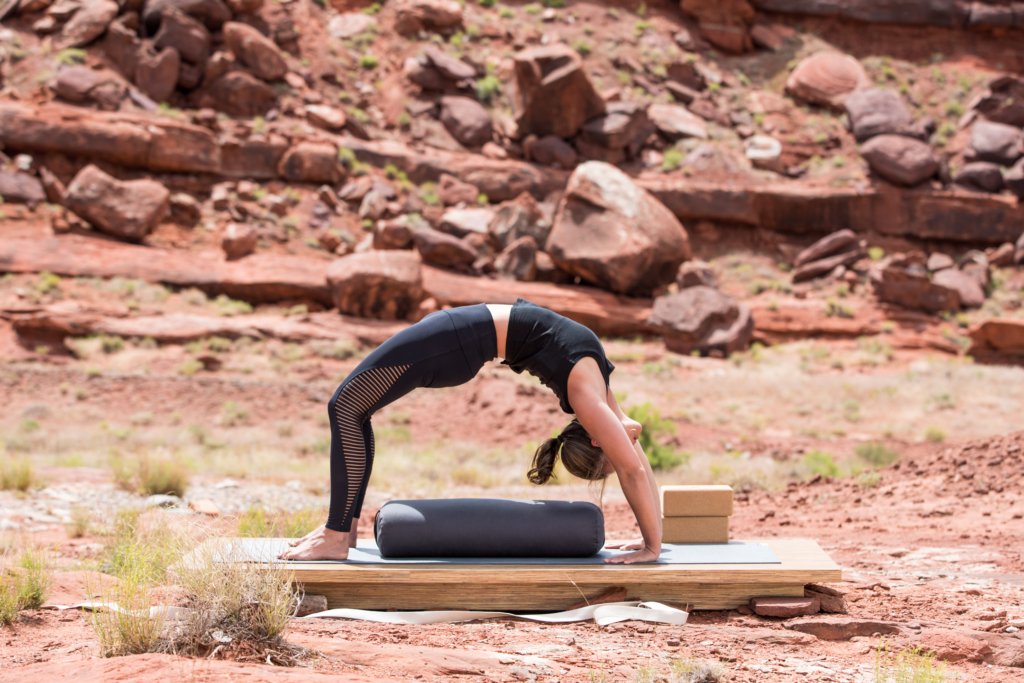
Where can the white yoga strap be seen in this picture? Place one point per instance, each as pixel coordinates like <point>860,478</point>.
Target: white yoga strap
<point>603,614</point>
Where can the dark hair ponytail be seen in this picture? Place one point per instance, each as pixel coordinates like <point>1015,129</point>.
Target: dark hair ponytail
<point>544,461</point>
<point>579,456</point>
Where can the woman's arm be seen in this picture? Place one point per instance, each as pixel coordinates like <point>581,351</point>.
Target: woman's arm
<point>588,396</point>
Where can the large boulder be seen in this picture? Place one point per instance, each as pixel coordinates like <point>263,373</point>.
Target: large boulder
<point>826,78</point>
<point>98,87</point>
<point>256,51</point>
<point>518,260</point>
<point>614,234</point>
<point>517,218</point>
<point>909,285</point>
<point>413,16</point>
<point>312,162</point>
<point>996,142</point>
<point>467,120</point>
<point>156,73</point>
<point>212,13</point>
<point>983,176</point>
<point>23,188</point>
<point>444,250</point>
<point>999,337</point>
<point>877,111</point>
<point>88,23</point>
<point>899,159</point>
<point>377,284</point>
<point>967,288</point>
<point>702,319</point>
<point>185,34</point>
<point>553,95</point>
<point>239,93</point>
<point>723,23</point>
<point>129,209</point>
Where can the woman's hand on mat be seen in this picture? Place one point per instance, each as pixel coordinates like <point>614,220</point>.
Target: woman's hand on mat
<point>319,544</point>
<point>638,544</point>
<point>644,555</point>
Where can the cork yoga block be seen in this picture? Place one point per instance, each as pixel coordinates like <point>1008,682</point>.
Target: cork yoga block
<point>696,501</point>
<point>695,529</point>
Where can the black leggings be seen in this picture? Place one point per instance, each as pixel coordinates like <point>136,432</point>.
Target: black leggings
<point>444,349</point>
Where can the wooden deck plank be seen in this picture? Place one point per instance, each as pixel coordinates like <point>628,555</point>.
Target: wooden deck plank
<point>552,587</point>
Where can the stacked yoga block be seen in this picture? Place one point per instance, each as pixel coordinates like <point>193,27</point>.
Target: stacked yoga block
<point>696,514</point>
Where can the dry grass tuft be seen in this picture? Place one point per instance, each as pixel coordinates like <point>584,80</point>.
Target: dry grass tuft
<point>257,522</point>
<point>16,474</point>
<point>23,584</point>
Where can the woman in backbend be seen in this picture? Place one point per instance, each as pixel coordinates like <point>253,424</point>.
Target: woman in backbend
<point>449,347</point>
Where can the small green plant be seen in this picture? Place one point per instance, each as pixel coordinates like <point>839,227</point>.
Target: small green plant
<point>111,344</point>
<point>227,306</point>
<point>16,474</point>
<point>582,47</point>
<point>954,109</point>
<point>47,283</point>
<point>487,3</point>
<point>698,671</point>
<point>934,435</point>
<point>533,8</point>
<point>672,160</point>
<point>821,463</point>
<point>372,9</point>
<point>71,55</point>
<point>876,454</point>
<point>368,62</point>
<point>487,87</point>
<point>835,309</point>
<point>876,253</point>
<point>506,13</point>
<point>641,27</point>
<point>909,665</point>
<point>33,579</point>
<point>162,475</point>
<point>257,522</point>
<point>190,367</point>
<point>429,194</point>
<point>554,4</point>
<point>653,436</point>
<point>869,479</point>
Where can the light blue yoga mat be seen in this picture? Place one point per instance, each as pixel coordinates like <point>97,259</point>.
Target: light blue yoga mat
<point>366,552</point>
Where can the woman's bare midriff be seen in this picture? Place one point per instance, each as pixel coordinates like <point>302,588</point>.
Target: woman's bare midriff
<point>500,313</point>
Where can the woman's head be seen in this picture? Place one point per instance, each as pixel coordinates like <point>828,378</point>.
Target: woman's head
<point>579,455</point>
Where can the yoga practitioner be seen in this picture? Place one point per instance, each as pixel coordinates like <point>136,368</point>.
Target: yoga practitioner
<point>449,347</point>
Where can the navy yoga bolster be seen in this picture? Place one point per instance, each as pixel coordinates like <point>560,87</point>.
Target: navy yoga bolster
<point>488,527</point>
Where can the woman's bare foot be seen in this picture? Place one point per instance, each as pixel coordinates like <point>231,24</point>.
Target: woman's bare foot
<point>295,541</point>
<point>319,544</point>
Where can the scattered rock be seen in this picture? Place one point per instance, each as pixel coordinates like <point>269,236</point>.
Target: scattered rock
<point>826,265</point>
<point>187,36</point>
<point>999,339</point>
<point>98,87</point>
<point>323,116</point>
<point>908,285</point>
<point>1018,253</point>
<point>162,500</point>
<point>785,608</point>
<point>311,604</point>
<point>952,646</point>
<point>764,152</point>
<point>462,222</point>
<point>88,23</point>
<point>877,111</point>
<point>239,93</point>
<point>128,209</point>
<point>938,261</point>
<point>212,13</point>
<point>19,187</point>
<point>674,122</point>
<point>466,119</point>
<point>447,67</point>
<point>393,234</point>
<point>826,78</point>
<point>834,243</point>
<point>518,260</point>
<point>550,151</point>
<point>1001,256</point>
<point>444,250</point>
<point>377,284</point>
<point>624,127</point>
<point>553,94</point>
<point>185,210</point>
<point>968,289</point>
<point>453,191</point>
<point>350,24</point>
<point>256,51</point>
<point>312,162</point>
<point>1014,179</point>
<point>899,159</point>
<point>519,217</point>
<point>830,599</point>
<point>204,506</point>
<point>414,16</point>
<point>702,319</point>
<point>238,241</point>
<point>696,274</point>
<point>996,142</point>
<point>843,627</point>
<point>982,176</point>
<point>156,72</point>
<point>614,234</point>
<point>1004,101</point>
<point>723,23</point>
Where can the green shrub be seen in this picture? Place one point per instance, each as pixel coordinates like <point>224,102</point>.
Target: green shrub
<point>821,463</point>
<point>876,454</point>
<point>368,62</point>
<point>487,87</point>
<point>653,436</point>
<point>162,475</point>
<point>672,160</point>
<point>935,435</point>
<point>16,474</point>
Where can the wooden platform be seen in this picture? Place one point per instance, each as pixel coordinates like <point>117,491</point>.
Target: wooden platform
<point>556,587</point>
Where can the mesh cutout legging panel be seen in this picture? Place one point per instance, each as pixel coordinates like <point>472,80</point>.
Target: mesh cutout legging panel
<point>444,349</point>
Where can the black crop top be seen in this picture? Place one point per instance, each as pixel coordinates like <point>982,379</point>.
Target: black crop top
<point>548,345</point>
